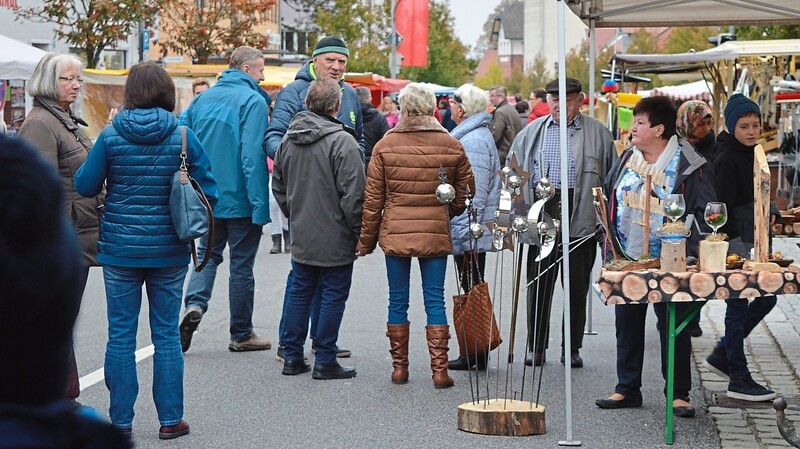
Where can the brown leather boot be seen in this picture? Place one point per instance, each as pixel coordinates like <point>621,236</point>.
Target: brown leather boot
<point>398,347</point>
<point>438,337</point>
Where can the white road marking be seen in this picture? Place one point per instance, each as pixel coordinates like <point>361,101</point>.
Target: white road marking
<point>97,375</point>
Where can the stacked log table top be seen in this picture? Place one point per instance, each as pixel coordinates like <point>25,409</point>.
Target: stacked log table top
<point>652,286</point>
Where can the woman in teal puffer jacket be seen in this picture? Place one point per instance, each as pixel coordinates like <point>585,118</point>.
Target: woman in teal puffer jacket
<point>136,158</point>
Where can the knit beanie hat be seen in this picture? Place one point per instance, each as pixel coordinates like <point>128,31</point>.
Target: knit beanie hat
<point>331,44</point>
<point>737,106</point>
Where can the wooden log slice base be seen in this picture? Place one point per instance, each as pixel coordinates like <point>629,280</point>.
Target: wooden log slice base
<point>502,417</point>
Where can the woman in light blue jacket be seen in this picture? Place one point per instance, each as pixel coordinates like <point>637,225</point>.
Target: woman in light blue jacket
<point>136,158</point>
<point>468,109</point>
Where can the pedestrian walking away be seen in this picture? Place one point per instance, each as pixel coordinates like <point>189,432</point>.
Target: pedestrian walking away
<point>240,168</point>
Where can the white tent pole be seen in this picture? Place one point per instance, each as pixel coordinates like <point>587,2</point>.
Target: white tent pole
<point>592,69</point>
<point>565,204</point>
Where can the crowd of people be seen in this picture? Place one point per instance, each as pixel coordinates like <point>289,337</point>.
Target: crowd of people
<point>375,171</point>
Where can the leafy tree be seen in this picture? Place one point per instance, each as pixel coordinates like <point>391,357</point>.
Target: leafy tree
<point>493,77</point>
<point>207,28</point>
<point>447,55</point>
<point>92,25</point>
<point>768,32</point>
<point>538,74</point>
<point>484,41</point>
<point>684,39</point>
<point>643,42</point>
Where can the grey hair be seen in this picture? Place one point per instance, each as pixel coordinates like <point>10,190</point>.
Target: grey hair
<point>417,99</point>
<point>364,94</point>
<point>44,82</point>
<point>324,95</point>
<point>244,55</point>
<point>473,99</point>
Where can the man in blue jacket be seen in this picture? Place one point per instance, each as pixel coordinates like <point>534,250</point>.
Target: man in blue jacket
<point>231,120</point>
<point>328,60</point>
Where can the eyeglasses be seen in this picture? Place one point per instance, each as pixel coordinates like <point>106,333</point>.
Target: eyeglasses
<point>71,79</point>
<point>455,100</point>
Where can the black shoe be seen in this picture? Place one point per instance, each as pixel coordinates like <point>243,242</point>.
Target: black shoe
<point>295,367</point>
<point>189,324</point>
<point>717,362</point>
<point>746,389</point>
<point>332,371</point>
<point>629,401</point>
<point>463,363</point>
<point>683,412</point>
<point>537,359</point>
<point>575,359</point>
<point>341,353</point>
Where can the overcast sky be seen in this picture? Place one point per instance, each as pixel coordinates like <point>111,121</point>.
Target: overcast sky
<point>470,15</point>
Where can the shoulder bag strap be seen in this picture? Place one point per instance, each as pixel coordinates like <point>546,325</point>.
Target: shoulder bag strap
<point>196,185</point>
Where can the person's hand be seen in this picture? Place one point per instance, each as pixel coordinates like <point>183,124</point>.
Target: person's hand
<point>111,114</point>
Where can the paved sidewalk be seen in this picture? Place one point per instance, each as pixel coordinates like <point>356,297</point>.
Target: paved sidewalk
<point>773,354</point>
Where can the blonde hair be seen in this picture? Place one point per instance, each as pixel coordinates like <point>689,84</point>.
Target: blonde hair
<point>417,99</point>
<point>384,108</point>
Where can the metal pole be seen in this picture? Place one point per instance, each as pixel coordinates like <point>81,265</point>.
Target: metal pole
<point>141,41</point>
<point>592,68</point>
<point>393,38</point>
<point>565,209</point>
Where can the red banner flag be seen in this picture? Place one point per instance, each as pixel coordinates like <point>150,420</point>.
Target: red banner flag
<point>411,22</point>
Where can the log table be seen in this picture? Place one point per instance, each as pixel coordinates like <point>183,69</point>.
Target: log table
<point>654,286</point>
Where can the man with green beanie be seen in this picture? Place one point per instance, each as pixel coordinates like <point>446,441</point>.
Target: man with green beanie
<point>733,169</point>
<point>328,60</point>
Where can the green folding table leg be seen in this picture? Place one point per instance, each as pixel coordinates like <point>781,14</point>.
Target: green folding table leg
<point>672,332</point>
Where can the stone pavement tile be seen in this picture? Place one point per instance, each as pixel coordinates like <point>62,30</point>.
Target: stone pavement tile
<point>776,443</point>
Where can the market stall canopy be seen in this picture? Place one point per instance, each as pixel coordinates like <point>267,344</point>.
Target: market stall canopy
<point>439,90</point>
<point>375,82</point>
<point>655,63</point>
<point>18,60</point>
<point>698,90</point>
<point>623,13</point>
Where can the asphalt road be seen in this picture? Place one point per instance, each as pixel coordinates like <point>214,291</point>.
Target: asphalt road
<point>241,400</point>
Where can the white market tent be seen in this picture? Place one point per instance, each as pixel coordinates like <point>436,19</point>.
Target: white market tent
<point>647,13</point>
<point>18,60</point>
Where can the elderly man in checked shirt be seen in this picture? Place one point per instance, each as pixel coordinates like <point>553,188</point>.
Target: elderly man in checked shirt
<point>591,153</point>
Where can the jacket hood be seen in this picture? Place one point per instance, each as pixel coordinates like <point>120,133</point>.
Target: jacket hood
<point>305,73</point>
<point>415,123</point>
<point>369,112</point>
<point>473,122</point>
<point>308,128</point>
<point>727,142</point>
<point>145,126</point>
<point>236,76</point>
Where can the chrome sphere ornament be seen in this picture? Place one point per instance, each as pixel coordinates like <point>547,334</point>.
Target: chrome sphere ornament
<point>544,189</point>
<point>498,239</point>
<point>514,181</point>
<point>520,224</point>
<point>476,229</point>
<point>507,171</point>
<point>445,193</point>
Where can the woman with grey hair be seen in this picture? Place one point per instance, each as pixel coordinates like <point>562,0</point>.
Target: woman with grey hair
<point>56,132</point>
<point>402,213</point>
<point>468,109</point>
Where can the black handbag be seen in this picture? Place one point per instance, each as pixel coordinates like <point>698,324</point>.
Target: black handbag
<point>191,212</point>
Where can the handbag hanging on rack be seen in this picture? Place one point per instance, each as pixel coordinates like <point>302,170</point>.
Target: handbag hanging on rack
<point>191,212</point>
<point>473,317</point>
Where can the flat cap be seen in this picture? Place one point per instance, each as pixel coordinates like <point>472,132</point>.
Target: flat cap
<point>573,86</point>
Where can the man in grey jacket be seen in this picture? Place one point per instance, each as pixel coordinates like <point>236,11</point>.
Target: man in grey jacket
<point>318,147</point>
<point>591,153</point>
<point>505,121</point>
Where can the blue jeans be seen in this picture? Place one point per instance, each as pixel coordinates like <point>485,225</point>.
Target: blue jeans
<point>242,237</point>
<point>315,305</point>
<point>432,269</point>
<point>124,302</point>
<point>741,317</point>
<point>333,284</point>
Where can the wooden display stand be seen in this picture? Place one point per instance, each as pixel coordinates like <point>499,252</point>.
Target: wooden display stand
<point>504,417</point>
<point>712,256</point>
<point>673,255</point>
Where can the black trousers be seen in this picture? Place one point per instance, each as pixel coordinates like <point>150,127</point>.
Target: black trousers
<point>540,293</point>
<point>630,323</point>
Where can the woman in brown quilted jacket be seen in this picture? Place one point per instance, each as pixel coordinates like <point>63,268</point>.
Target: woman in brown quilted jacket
<point>402,213</point>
